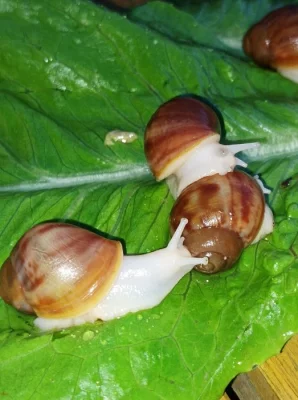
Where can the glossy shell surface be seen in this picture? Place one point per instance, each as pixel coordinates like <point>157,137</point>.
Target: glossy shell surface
<point>176,128</point>
<point>233,202</point>
<point>273,42</point>
<point>62,269</point>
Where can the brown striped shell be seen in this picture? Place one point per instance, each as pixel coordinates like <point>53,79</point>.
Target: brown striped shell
<point>224,212</point>
<point>273,42</point>
<point>58,270</point>
<point>176,128</point>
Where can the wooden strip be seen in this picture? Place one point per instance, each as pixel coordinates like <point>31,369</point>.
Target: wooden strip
<point>244,388</point>
<point>276,379</point>
<point>253,386</point>
<point>281,372</point>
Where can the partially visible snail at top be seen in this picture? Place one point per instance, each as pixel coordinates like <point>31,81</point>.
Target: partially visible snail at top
<point>273,41</point>
<point>67,275</point>
<point>226,208</point>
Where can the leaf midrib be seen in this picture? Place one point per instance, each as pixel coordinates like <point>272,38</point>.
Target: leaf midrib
<point>133,173</point>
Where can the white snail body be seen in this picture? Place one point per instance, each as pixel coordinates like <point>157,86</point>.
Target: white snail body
<point>67,275</point>
<point>205,160</point>
<point>225,208</point>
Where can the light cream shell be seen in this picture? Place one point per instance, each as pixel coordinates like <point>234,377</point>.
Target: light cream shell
<point>59,270</point>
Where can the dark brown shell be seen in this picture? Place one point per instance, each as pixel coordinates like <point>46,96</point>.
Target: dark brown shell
<point>58,270</point>
<point>210,242</point>
<point>232,203</point>
<point>176,128</point>
<point>273,42</point>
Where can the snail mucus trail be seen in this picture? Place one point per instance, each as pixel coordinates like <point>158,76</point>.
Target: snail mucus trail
<point>273,41</point>
<point>226,209</point>
<point>67,275</point>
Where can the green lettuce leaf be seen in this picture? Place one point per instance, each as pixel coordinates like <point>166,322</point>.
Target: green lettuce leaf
<point>72,71</point>
<point>216,24</point>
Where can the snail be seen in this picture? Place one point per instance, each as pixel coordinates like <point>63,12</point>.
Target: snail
<point>226,208</point>
<point>225,214</point>
<point>67,275</point>
<point>273,41</point>
<point>182,144</point>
